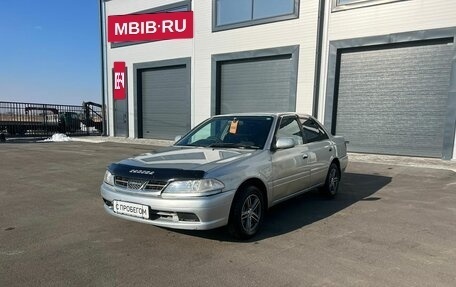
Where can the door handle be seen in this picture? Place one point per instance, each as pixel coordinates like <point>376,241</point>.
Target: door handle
<point>330,149</point>
<point>304,156</point>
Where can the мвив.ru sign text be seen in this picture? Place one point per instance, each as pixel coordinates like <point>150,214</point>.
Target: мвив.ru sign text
<point>150,27</point>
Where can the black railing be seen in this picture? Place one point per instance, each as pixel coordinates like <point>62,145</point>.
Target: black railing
<point>38,120</point>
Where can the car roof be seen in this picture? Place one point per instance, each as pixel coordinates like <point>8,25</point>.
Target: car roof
<point>264,114</point>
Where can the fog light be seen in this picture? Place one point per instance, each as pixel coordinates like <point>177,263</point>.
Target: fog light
<point>186,216</point>
<point>107,202</point>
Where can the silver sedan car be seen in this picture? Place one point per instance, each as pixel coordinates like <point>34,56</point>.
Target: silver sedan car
<point>227,171</point>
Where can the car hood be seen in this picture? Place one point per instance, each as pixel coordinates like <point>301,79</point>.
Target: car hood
<point>188,158</point>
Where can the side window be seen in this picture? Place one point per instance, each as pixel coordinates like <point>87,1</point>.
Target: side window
<point>289,127</point>
<point>312,130</point>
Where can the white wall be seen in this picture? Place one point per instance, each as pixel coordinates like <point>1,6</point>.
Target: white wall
<point>454,148</point>
<point>300,32</point>
<point>412,15</point>
<point>132,54</point>
<point>389,18</point>
<point>396,17</point>
<point>385,19</point>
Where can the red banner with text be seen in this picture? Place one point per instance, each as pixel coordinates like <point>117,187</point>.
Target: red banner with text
<point>119,81</point>
<point>150,27</point>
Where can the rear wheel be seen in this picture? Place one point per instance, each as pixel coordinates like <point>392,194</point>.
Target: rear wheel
<point>332,181</point>
<point>247,213</point>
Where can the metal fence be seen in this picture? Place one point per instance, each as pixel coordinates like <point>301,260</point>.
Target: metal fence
<point>40,120</point>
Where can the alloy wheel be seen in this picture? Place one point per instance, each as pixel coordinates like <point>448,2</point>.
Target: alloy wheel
<point>251,213</point>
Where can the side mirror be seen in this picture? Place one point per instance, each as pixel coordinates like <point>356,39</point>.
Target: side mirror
<point>177,138</point>
<point>284,143</point>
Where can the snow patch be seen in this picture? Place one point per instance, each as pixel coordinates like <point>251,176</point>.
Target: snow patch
<point>58,138</point>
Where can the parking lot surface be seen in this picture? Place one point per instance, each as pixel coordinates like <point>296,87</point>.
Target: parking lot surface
<point>390,225</point>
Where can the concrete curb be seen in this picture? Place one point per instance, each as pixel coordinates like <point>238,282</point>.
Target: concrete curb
<point>403,161</point>
<point>355,157</point>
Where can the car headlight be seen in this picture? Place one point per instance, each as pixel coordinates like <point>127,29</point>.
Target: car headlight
<point>109,178</point>
<point>200,187</point>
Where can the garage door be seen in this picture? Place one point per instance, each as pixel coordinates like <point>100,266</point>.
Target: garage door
<point>165,102</point>
<point>256,85</point>
<point>393,100</point>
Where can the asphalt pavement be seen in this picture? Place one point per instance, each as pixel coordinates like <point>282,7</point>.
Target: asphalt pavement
<point>390,225</point>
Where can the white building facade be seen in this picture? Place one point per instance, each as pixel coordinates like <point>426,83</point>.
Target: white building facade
<point>380,72</point>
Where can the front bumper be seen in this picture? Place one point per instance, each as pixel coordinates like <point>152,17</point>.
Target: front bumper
<point>211,211</point>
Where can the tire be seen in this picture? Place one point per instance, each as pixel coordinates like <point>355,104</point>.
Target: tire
<point>247,213</point>
<point>61,128</point>
<point>332,181</point>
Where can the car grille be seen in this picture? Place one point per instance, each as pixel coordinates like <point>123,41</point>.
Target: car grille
<point>138,184</point>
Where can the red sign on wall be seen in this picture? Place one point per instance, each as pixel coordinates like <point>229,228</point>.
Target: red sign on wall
<point>150,27</point>
<point>119,80</point>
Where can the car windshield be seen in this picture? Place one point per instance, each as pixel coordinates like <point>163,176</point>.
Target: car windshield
<point>248,132</point>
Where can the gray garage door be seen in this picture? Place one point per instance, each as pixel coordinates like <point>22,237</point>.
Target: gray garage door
<point>257,85</point>
<point>165,102</point>
<point>393,100</point>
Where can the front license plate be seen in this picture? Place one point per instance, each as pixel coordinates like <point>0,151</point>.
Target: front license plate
<point>132,209</point>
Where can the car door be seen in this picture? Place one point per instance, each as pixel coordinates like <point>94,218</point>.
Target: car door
<point>290,172</point>
<point>320,150</point>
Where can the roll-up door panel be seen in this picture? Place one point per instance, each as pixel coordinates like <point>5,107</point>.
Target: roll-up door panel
<point>165,102</point>
<point>393,100</point>
<point>256,85</point>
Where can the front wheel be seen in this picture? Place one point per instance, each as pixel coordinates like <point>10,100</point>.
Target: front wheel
<point>247,213</point>
<point>332,181</point>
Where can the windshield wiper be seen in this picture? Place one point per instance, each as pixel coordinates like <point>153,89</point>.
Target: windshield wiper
<point>233,145</point>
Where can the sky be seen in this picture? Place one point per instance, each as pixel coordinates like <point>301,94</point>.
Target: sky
<point>50,51</point>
